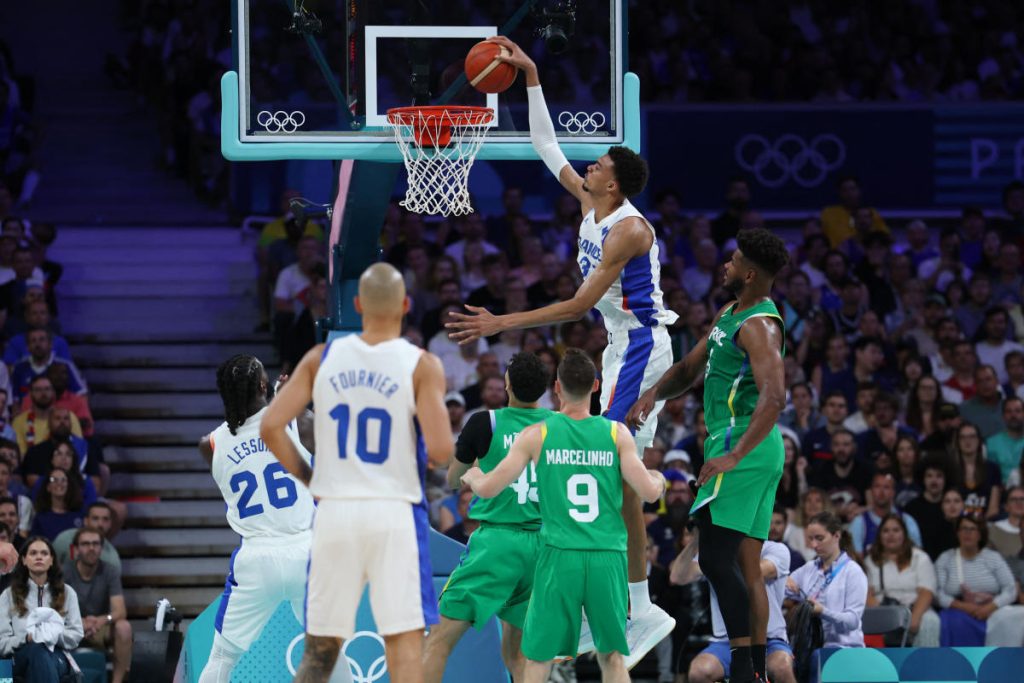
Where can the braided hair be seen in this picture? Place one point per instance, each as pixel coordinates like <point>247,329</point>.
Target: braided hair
<point>238,381</point>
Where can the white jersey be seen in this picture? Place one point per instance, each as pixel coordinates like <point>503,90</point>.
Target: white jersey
<point>779,555</point>
<point>634,300</point>
<point>263,499</point>
<point>368,439</point>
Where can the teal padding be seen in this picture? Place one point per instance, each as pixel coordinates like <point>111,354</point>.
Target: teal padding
<point>937,664</point>
<point>234,149</point>
<point>976,655</point>
<point>1002,664</point>
<point>858,665</point>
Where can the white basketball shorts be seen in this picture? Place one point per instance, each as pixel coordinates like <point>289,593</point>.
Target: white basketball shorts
<point>633,362</point>
<point>383,543</point>
<point>263,573</point>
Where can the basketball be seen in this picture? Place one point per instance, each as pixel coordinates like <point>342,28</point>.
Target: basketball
<point>485,72</point>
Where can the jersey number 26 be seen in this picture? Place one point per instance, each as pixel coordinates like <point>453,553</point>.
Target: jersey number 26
<point>281,492</point>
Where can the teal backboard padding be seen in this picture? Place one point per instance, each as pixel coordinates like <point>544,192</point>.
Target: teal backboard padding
<point>278,651</point>
<point>871,666</point>
<point>234,149</point>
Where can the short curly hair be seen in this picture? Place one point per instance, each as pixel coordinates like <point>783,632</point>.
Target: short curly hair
<point>764,249</point>
<point>527,376</point>
<point>630,170</point>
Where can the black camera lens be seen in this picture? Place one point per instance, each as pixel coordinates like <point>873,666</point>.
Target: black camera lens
<point>555,39</point>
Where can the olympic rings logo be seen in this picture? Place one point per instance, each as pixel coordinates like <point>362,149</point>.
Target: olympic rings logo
<point>576,123</point>
<point>374,672</point>
<point>790,158</point>
<point>281,121</point>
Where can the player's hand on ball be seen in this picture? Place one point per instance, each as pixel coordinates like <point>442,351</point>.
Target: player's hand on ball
<point>518,58</point>
<point>641,410</point>
<point>471,476</point>
<point>468,328</point>
<point>716,466</point>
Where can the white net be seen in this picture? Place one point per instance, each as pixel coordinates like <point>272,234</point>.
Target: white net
<point>439,145</point>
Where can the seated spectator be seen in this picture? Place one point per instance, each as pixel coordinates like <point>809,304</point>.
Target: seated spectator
<point>817,443</point>
<point>58,505</point>
<point>456,406</point>
<point>1014,385</point>
<point>78,404</point>
<point>836,372</point>
<point>99,516</point>
<point>492,396</point>
<point>12,488</point>
<point>36,462</point>
<point>794,472</point>
<point>927,509</point>
<point>38,362</point>
<point>881,437</point>
<point>38,582</point>
<point>813,502</point>
<point>837,222</point>
<point>897,571</point>
<point>101,601</point>
<point>291,290</point>
<point>960,385</point>
<point>864,527</point>
<point>487,367</point>
<point>32,426</point>
<point>802,416</point>
<point>1004,535</point>
<point>939,271</point>
<point>672,427</point>
<point>907,456</point>
<point>474,231</point>
<point>846,478</point>
<point>777,532</point>
<point>37,315</point>
<point>667,527</point>
<point>19,291</point>
<point>974,582</point>
<point>449,293</point>
<point>992,345</point>
<point>545,290</point>
<point>1004,448</point>
<point>860,421</point>
<point>465,526</point>
<point>922,406</point>
<point>64,457</point>
<point>980,481</point>
<point>693,444</point>
<point>833,583</point>
<point>947,422</point>
<point>970,314</point>
<point>302,336</point>
<point>985,408</point>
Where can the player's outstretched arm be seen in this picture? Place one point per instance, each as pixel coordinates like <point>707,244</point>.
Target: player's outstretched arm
<point>206,449</point>
<point>525,448</point>
<point>289,403</point>
<point>761,338</point>
<point>630,238</point>
<point>542,130</point>
<point>649,484</point>
<point>429,387</point>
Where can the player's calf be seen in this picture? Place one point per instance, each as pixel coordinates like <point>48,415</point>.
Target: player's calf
<point>780,668</point>
<point>404,653</point>
<point>613,667</point>
<point>319,659</point>
<point>511,651</point>
<point>440,642</point>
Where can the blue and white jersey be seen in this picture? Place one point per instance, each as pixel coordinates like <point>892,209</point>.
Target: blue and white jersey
<point>263,499</point>
<point>634,300</point>
<point>367,437</point>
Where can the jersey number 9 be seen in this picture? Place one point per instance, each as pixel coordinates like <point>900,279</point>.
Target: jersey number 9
<point>582,492</point>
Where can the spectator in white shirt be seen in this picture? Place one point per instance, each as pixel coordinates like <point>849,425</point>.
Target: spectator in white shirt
<point>993,346</point>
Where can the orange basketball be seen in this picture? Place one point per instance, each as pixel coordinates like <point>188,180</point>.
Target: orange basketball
<point>487,74</point>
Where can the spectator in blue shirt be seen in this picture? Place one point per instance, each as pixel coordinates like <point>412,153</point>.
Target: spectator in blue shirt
<point>864,527</point>
<point>37,314</point>
<point>41,357</point>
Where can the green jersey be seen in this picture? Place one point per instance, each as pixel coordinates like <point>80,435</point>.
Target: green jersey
<point>580,483</point>
<point>517,504</point>
<point>730,393</point>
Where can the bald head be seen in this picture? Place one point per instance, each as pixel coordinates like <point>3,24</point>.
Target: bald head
<point>381,291</point>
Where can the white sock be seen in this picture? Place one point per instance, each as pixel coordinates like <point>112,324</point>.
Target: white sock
<point>639,598</point>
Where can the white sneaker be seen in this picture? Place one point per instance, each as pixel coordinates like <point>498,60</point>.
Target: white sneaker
<point>586,639</point>
<point>644,631</point>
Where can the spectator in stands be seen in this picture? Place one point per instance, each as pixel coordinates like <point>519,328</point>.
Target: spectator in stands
<point>291,290</point>
<point>41,357</point>
<point>907,461</point>
<point>1007,277</point>
<point>860,421</point>
<point>492,294</point>
<point>26,278</point>
<point>980,481</point>
<point>864,527</point>
<point>923,405</point>
<point>797,304</point>
<point>58,505</point>
<point>456,405</point>
<point>1005,535</point>
<point>946,334</point>
<point>99,517</point>
<point>837,221</point>
<point>78,404</point>
<point>6,430</point>
<point>802,416</point>
<point>492,395</point>
<point>61,428</point>
<point>64,457</point>
<point>777,532</point>
<point>972,313</point>
<point>37,315</point>
<point>992,345</point>
<point>303,336</point>
<point>100,601</point>
<point>881,437</point>
<point>918,243</point>
<point>836,372</point>
<point>947,420</point>
<point>938,272</point>
<point>693,444</point>
<point>1005,446</point>
<point>960,385</point>
<point>487,366</point>
<point>11,519</point>
<point>672,427</point>
<point>813,502</point>
<point>974,582</point>
<point>834,583</point>
<point>1014,365</point>
<point>474,232</point>
<point>449,293</point>
<point>846,478</point>
<point>927,509</point>
<point>794,471</point>
<point>817,443</point>
<point>38,582</point>
<point>898,571</point>
<point>985,409</point>
<point>667,527</point>
<point>837,272</point>
<point>32,426</point>
<point>737,200</point>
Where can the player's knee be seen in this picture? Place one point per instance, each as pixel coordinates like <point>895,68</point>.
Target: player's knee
<point>123,630</point>
<point>610,661</point>
<point>780,668</point>
<point>704,669</point>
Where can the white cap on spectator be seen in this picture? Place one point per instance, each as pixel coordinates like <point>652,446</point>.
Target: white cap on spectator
<point>677,454</point>
<point>454,397</point>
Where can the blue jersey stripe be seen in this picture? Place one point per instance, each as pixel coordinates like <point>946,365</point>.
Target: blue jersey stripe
<point>638,289</point>
<point>421,520</point>
<point>634,364</point>
<point>218,620</point>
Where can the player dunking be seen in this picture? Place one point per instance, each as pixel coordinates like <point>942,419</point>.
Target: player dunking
<point>744,392</point>
<point>496,573</point>
<point>267,507</point>
<point>379,416</point>
<point>618,256</point>
<point>581,462</point>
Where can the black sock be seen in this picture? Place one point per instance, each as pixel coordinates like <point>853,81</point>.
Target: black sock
<point>757,655</point>
<point>741,669</point>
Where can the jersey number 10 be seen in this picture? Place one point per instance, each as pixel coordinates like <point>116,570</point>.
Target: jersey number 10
<point>366,416</point>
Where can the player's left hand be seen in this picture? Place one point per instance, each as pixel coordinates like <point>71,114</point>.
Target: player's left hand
<point>468,328</point>
<point>716,466</point>
<point>471,475</point>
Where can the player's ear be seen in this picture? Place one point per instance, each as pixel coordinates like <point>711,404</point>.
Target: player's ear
<point>359,306</point>
<point>597,385</point>
<point>406,303</point>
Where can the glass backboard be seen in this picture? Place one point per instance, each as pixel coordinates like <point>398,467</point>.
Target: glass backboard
<point>315,79</point>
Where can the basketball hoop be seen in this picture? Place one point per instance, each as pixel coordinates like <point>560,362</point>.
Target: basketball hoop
<point>439,144</point>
